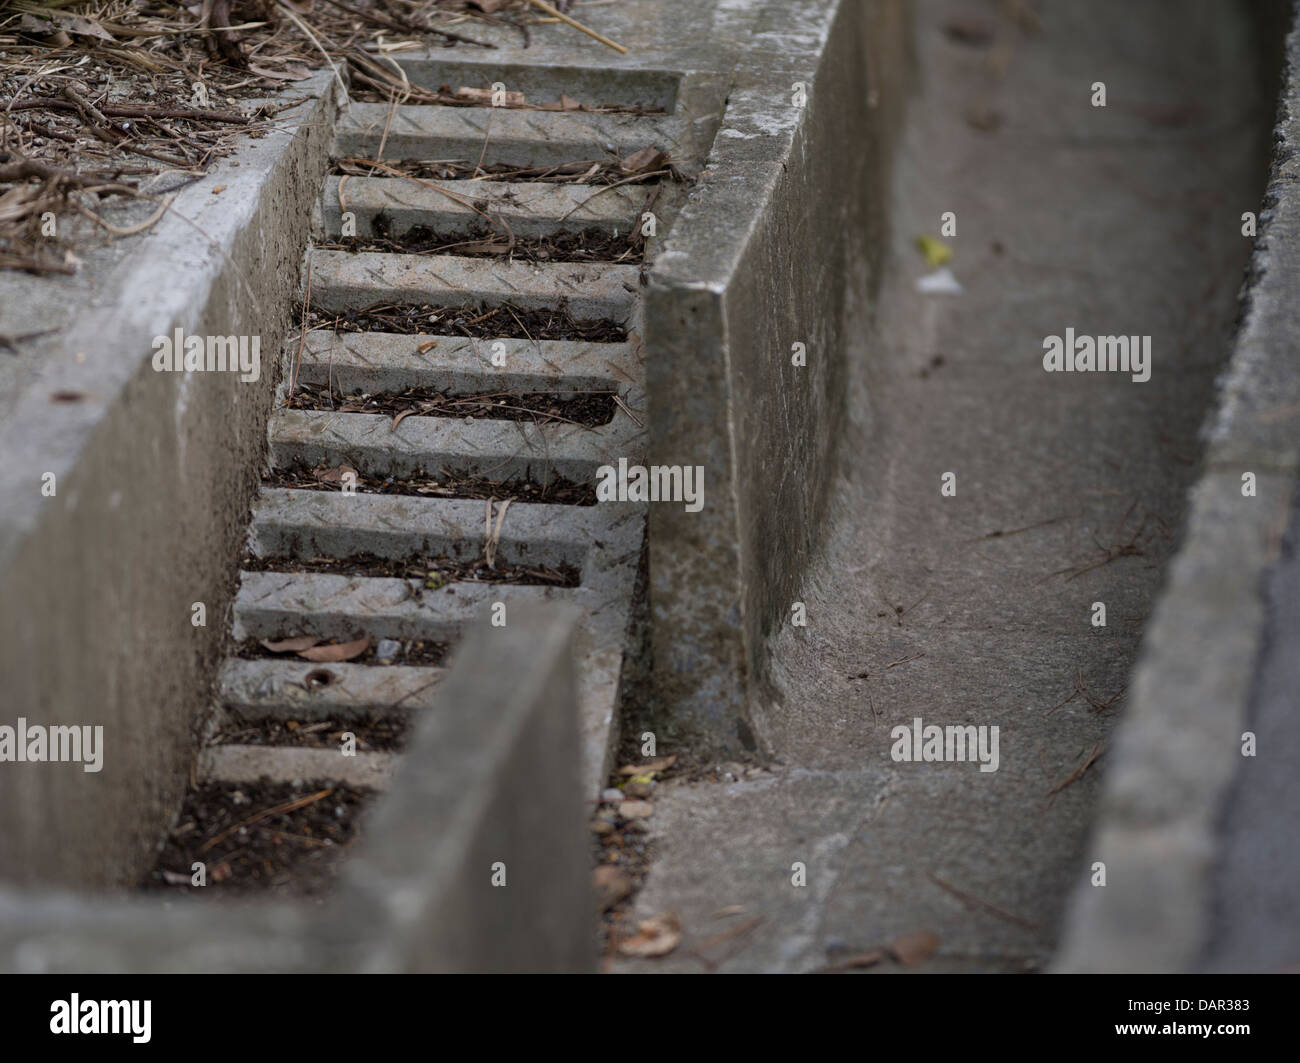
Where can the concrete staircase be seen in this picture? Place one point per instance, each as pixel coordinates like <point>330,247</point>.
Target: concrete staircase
<point>603,542</point>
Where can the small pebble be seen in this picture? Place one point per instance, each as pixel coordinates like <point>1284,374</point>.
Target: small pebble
<point>387,649</point>
<point>612,793</point>
<point>636,809</point>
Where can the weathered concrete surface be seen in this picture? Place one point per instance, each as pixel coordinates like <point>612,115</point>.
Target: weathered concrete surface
<point>247,764</point>
<point>775,247</point>
<point>1115,220</point>
<point>490,777</point>
<point>524,208</point>
<point>1199,840</point>
<point>517,138</point>
<point>341,280</point>
<point>154,473</point>
<point>495,766</point>
<point>379,361</point>
<point>497,450</point>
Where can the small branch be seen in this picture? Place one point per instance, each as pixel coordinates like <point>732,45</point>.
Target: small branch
<point>541,5</point>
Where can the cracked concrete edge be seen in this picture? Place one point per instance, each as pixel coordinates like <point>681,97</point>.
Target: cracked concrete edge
<point>491,776</point>
<point>149,466</point>
<point>1178,748</point>
<point>752,265</point>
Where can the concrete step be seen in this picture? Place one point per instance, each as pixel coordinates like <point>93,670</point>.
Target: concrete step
<point>270,688</point>
<point>342,281</point>
<point>493,135</point>
<point>247,764</point>
<point>283,604</point>
<point>525,208</point>
<point>303,524</point>
<point>487,449</point>
<point>456,365</point>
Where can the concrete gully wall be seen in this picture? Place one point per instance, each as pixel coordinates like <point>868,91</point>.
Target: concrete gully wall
<point>155,473</point>
<point>1178,752</point>
<point>489,778</point>
<point>778,245</point>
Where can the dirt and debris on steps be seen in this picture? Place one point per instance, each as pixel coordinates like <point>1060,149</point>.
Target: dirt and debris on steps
<point>447,484</point>
<point>434,572</point>
<point>588,408</point>
<point>286,839</point>
<point>378,651</point>
<point>585,245</point>
<point>111,101</point>
<point>503,321</point>
<point>375,734</point>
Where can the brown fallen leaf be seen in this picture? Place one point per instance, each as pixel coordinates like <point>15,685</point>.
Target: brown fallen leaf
<point>568,103</point>
<point>338,651</point>
<point>291,645</point>
<point>289,73</point>
<point>659,764</point>
<point>985,119</point>
<point>400,416</point>
<point>969,31</point>
<point>913,948</point>
<point>326,475</point>
<point>857,960</point>
<point>644,160</point>
<point>426,347</point>
<point>610,885</point>
<point>656,936</point>
<point>84,27</point>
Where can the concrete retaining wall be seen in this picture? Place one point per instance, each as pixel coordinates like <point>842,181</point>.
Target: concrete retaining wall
<point>777,245</point>
<point>154,476</point>
<point>1179,748</point>
<point>488,787</point>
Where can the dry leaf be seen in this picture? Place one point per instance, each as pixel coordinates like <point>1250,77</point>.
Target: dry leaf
<point>289,73</point>
<point>611,885</point>
<point>660,764</point>
<point>84,27</point>
<point>914,948</point>
<point>326,475</point>
<point>426,347</point>
<point>656,936</point>
<point>858,959</point>
<point>293,645</point>
<point>399,417</point>
<point>643,161</point>
<point>338,651</point>
<point>568,103</point>
<point>970,31</point>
